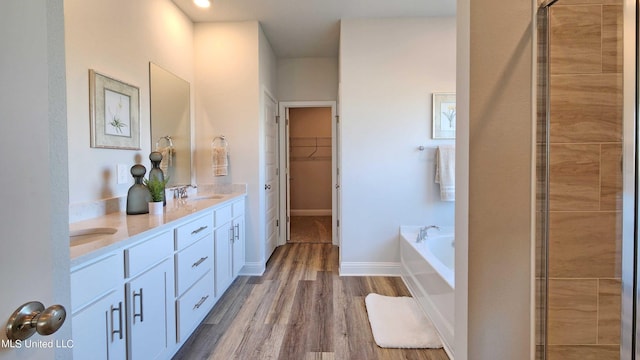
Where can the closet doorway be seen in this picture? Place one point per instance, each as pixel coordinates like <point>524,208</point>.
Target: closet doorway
<point>312,182</point>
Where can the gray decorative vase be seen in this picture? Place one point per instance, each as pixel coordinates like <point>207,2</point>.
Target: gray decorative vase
<point>138,196</point>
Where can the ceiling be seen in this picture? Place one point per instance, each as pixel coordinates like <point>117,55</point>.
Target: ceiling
<point>310,28</point>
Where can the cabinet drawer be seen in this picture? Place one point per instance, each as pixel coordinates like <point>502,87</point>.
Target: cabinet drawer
<point>194,230</point>
<point>223,215</point>
<point>95,279</point>
<point>193,262</point>
<point>147,253</point>
<point>238,208</point>
<point>194,305</point>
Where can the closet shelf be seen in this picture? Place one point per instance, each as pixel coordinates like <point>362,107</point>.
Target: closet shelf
<point>310,148</point>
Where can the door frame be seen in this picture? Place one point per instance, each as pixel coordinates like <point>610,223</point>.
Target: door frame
<point>283,134</point>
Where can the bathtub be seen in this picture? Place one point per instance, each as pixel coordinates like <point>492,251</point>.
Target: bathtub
<point>428,271</point>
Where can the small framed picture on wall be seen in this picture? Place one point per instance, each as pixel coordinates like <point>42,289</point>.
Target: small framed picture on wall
<point>115,113</point>
<point>444,116</point>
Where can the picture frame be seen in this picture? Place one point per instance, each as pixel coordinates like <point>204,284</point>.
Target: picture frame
<point>444,116</point>
<point>114,109</point>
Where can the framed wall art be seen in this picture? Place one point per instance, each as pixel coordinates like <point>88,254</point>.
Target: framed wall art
<point>114,109</point>
<point>444,116</point>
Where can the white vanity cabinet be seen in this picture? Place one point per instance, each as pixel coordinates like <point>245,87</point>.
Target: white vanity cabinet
<point>194,274</point>
<point>144,298</point>
<point>229,244</point>
<point>97,305</point>
<point>149,297</point>
<point>238,257</point>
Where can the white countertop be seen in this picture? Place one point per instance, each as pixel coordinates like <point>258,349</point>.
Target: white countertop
<point>131,228</point>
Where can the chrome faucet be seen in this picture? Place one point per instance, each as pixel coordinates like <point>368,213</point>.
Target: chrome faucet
<point>180,192</point>
<point>424,232</point>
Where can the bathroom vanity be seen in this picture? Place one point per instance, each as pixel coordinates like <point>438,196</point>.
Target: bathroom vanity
<point>141,284</point>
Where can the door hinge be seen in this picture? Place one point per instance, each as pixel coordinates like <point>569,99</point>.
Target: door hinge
<point>337,171</point>
<point>286,122</point>
<point>277,222</point>
<point>338,223</point>
<point>288,219</point>
<point>277,171</point>
<point>337,118</point>
<point>277,119</point>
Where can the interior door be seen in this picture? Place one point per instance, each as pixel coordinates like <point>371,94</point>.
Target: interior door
<point>34,215</point>
<point>271,184</point>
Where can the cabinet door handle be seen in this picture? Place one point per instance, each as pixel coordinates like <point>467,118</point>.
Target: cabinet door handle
<point>195,264</point>
<point>202,300</point>
<point>141,314</point>
<point>236,228</point>
<point>231,233</point>
<point>113,328</point>
<point>198,230</point>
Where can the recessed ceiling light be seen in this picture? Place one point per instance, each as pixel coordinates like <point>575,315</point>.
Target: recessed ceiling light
<point>202,3</point>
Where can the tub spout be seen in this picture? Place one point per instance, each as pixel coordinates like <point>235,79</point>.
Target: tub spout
<point>424,232</point>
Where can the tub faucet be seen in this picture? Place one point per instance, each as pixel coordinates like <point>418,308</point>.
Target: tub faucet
<point>424,232</point>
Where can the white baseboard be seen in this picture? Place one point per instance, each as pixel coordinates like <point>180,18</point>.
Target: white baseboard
<point>311,212</point>
<point>252,269</point>
<point>370,269</point>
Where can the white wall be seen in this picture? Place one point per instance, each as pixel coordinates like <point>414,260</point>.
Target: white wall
<point>462,180</point>
<point>501,172</point>
<point>117,38</point>
<point>308,79</point>
<point>389,69</point>
<point>228,65</point>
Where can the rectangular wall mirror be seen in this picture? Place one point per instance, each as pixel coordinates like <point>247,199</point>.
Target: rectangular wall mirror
<point>171,123</point>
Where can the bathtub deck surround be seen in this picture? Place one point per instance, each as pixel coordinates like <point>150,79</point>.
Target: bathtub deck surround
<point>427,268</point>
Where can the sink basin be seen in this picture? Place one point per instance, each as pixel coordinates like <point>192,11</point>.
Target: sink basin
<point>83,236</point>
<point>207,197</point>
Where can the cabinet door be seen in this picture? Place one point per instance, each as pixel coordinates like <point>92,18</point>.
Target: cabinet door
<point>224,262</point>
<point>238,245</point>
<point>147,312</point>
<point>99,329</point>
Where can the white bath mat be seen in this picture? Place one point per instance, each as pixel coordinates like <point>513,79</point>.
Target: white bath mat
<point>398,322</point>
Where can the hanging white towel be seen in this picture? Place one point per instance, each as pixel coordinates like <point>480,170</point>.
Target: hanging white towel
<point>167,158</point>
<point>445,172</point>
<point>220,161</point>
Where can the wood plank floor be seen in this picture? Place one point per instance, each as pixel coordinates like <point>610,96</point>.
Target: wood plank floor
<point>300,309</point>
<point>311,229</point>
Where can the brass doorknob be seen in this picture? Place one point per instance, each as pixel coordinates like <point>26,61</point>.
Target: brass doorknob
<point>32,317</point>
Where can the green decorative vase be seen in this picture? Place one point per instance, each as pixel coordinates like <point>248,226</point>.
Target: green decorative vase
<point>156,172</point>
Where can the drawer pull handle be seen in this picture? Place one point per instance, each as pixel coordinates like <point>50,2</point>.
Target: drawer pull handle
<point>141,315</point>
<point>197,263</point>
<point>202,300</point>
<point>198,230</point>
<point>114,331</point>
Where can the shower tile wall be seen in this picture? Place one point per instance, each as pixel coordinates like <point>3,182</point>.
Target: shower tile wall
<point>585,180</point>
